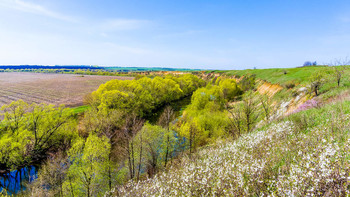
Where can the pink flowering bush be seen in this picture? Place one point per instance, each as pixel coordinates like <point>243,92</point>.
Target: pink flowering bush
<point>312,103</point>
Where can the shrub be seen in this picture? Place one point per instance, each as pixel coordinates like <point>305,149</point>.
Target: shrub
<point>247,83</point>
<point>289,85</point>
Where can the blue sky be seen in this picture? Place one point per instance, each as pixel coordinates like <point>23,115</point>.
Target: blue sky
<point>215,34</point>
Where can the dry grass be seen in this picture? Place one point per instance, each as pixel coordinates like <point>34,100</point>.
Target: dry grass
<point>49,88</point>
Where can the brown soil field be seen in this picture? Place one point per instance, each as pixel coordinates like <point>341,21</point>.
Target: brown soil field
<point>67,89</point>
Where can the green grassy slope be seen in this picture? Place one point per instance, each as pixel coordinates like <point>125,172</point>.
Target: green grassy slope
<point>301,77</point>
<point>283,75</point>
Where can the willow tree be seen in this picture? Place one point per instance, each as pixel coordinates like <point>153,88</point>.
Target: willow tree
<point>87,175</point>
<point>152,145</point>
<point>30,132</point>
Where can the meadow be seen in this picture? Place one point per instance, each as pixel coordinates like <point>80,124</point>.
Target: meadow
<point>56,89</point>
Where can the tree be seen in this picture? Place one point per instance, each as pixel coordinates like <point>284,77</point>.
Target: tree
<point>309,63</point>
<point>204,120</point>
<point>151,146</point>
<point>338,74</point>
<point>317,81</point>
<point>247,82</point>
<point>108,123</point>
<point>51,176</point>
<point>48,126</point>
<point>236,120</point>
<point>229,88</point>
<point>143,95</point>
<point>189,129</point>
<point>339,67</point>
<point>133,125</point>
<point>89,163</point>
<point>164,120</point>
<point>267,106</point>
<point>248,111</point>
<point>30,132</point>
<point>13,115</point>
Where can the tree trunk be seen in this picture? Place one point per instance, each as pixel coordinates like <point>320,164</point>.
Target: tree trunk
<point>130,167</point>
<point>110,177</point>
<point>71,186</point>
<point>316,87</point>
<point>191,138</point>
<point>167,151</point>
<point>140,158</point>
<point>133,158</point>
<point>248,122</point>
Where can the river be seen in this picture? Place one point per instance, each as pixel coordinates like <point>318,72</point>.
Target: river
<point>15,181</point>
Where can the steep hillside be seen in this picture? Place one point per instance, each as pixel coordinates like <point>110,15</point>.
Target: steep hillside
<point>304,151</point>
<point>304,154</point>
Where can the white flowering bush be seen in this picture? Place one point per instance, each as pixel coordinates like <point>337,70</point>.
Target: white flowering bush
<point>280,160</point>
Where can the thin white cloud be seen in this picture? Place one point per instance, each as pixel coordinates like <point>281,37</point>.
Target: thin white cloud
<point>34,9</point>
<point>181,34</point>
<point>128,49</point>
<point>120,24</point>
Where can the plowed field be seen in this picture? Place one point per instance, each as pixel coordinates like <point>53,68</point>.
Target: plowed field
<point>54,89</point>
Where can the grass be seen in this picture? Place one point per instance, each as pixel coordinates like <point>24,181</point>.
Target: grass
<point>299,75</point>
<point>80,109</point>
<point>293,79</point>
<point>150,69</point>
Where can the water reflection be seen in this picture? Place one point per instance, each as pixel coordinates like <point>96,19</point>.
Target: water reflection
<point>15,181</point>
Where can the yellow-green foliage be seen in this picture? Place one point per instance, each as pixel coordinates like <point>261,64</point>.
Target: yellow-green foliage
<point>204,120</point>
<point>229,88</point>
<point>144,94</point>
<point>151,144</point>
<point>87,175</point>
<point>283,159</point>
<point>202,127</point>
<point>29,131</point>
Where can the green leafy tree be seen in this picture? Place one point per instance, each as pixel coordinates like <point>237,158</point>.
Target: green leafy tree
<point>152,145</point>
<point>247,82</point>
<point>235,120</point>
<point>133,125</point>
<point>316,81</point>
<point>30,132</point>
<point>205,120</point>
<point>87,175</point>
<point>51,176</point>
<point>339,67</point>
<point>268,108</point>
<point>229,88</point>
<point>243,116</point>
<point>143,95</point>
<point>165,120</point>
<point>249,110</point>
<point>191,131</point>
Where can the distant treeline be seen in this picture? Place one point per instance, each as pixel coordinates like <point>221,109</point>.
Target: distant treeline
<point>143,69</point>
<point>19,67</point>
<point>29,68</point>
